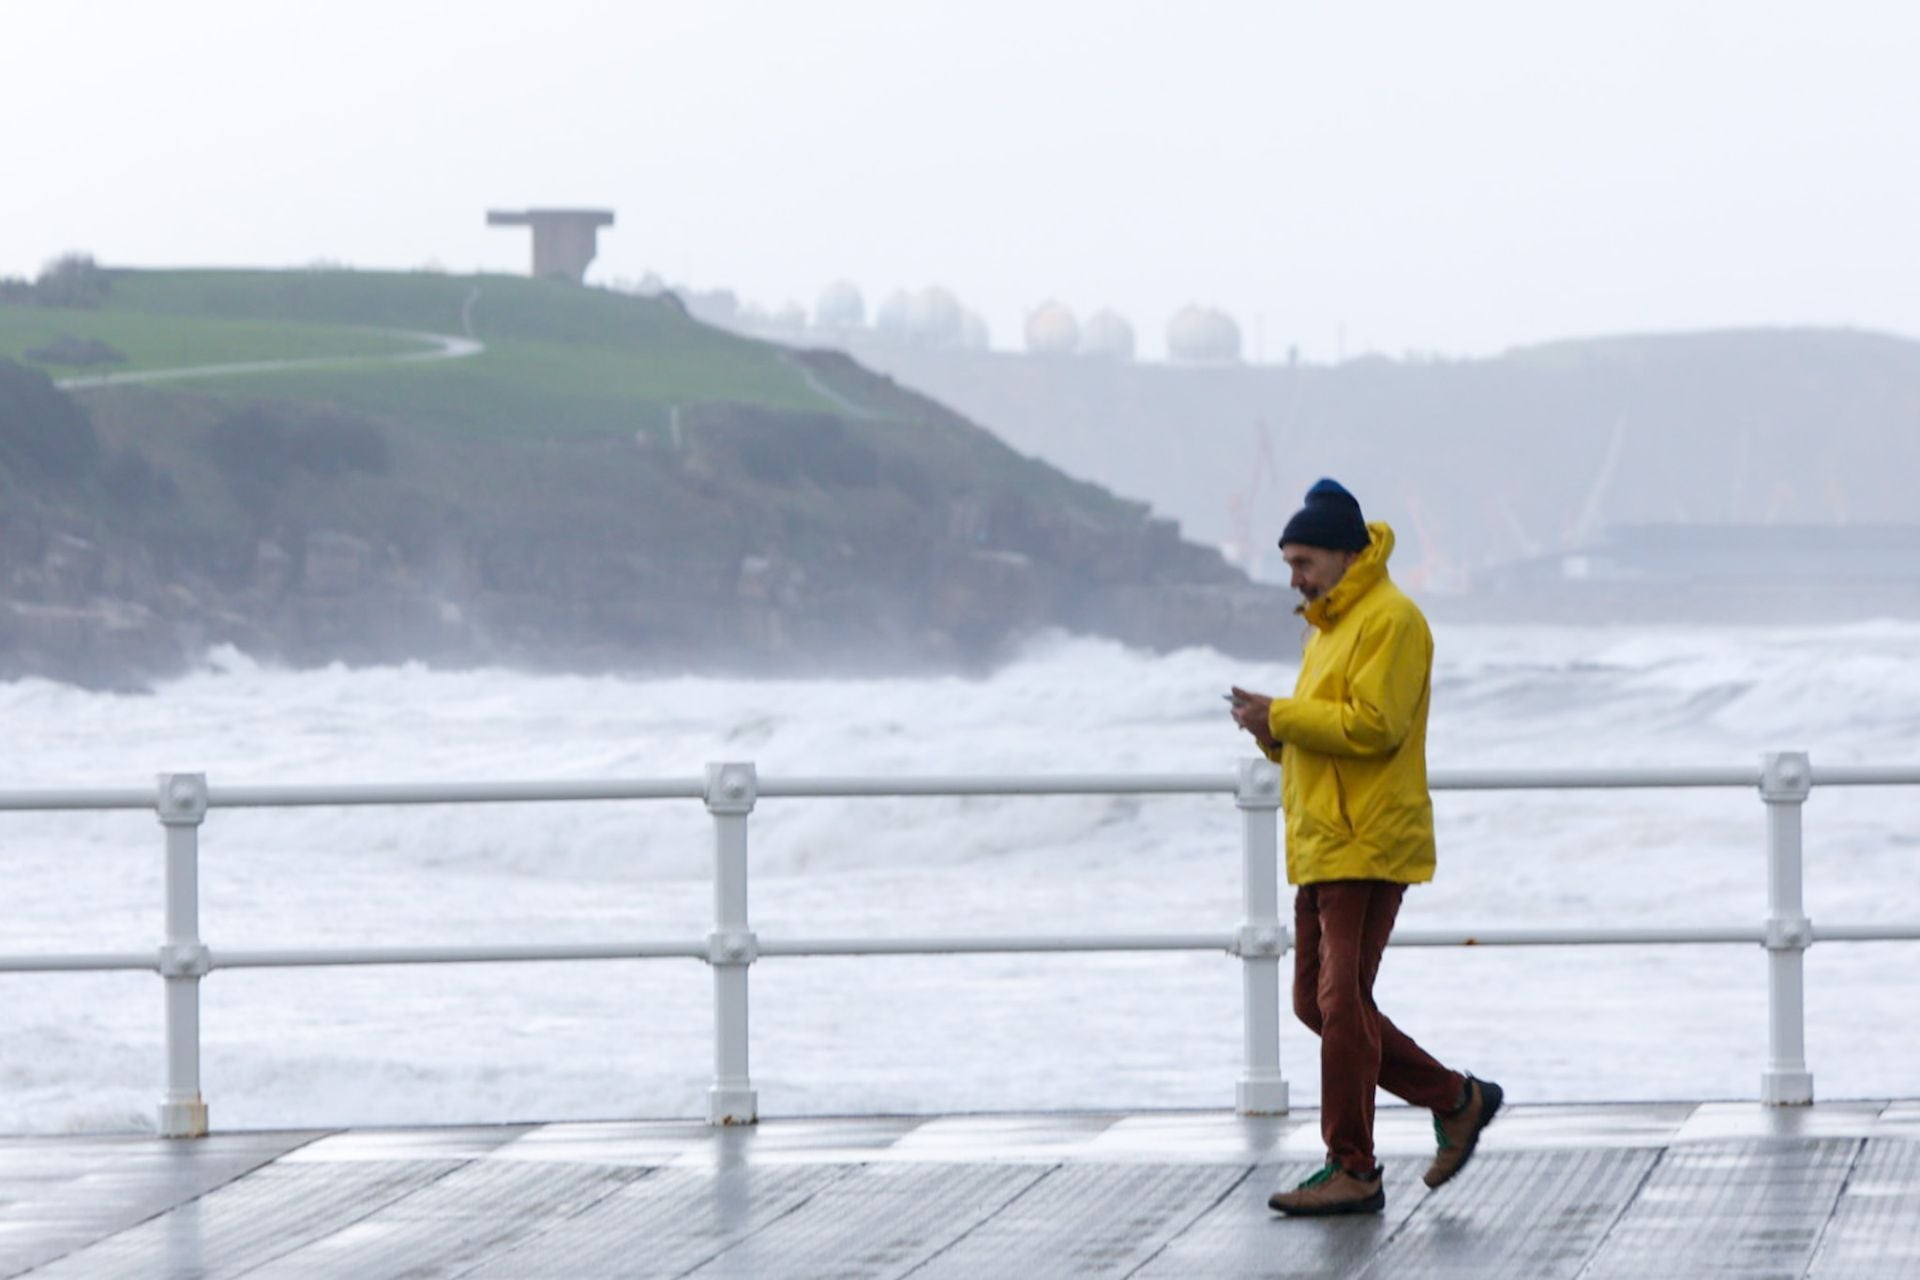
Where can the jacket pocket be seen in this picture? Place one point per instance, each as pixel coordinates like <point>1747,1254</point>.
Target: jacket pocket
<point>1320,796</point>
<point>1343,815</point>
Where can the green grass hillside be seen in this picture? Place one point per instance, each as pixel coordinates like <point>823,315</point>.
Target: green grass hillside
<point>607,482</point>
<point>559,359</point>
<point>150,342</point>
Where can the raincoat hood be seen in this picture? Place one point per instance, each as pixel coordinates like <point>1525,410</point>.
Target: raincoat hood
<point>1367,570</point>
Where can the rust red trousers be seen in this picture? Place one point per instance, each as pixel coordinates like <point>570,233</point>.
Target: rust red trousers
<point>1340,929</point>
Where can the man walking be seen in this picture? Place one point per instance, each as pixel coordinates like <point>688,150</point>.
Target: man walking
<point>1352,746</point>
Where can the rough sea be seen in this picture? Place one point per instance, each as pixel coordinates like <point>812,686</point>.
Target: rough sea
<point>495,1043</point>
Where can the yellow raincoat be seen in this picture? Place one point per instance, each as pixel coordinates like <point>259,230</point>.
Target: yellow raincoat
<point>1353,753</point>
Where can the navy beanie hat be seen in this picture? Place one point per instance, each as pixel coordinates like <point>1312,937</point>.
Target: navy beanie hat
<point>1330,519</point>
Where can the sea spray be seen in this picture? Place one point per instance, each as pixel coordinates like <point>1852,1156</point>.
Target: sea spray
<point>500,1042</point>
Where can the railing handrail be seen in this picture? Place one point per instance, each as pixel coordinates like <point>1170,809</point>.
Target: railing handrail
<point>731,791</point>
<point>904,786</point>
<point>916,945</point>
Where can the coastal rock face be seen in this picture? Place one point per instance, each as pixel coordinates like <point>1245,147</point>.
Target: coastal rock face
<point>45,438</point>
<point>139,532</point>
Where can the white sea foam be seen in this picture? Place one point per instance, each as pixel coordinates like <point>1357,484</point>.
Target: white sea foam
<point>470,1043</point>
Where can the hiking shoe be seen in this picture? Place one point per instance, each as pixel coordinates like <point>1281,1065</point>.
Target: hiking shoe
<point>1459,1133</point>
<point>1330,1191</point>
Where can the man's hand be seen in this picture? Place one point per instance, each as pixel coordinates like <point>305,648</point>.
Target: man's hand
<point>1250,713</point>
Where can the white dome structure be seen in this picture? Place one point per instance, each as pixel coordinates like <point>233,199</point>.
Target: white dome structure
<point>894,319</point>
<point>1052,330</point>
<point>1203,335</point>
<point>840,307</point>
<point>934,318</point>
<point>1108,335</point>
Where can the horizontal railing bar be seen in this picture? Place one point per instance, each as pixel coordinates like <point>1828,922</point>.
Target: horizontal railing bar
<point>398,793</point>
<point>303,958</point>
<point>1866,933</point>
<point>521,792</point>
<point>98,962</point>
<point>1552,937</point>
<point>1007,944</point>
<point>790,947</point>
<point>1521,937</point>
<point>1591,779</point>
<point>1060,784</point>
<point>1866,775</point>
<point>697,949</point>
<point>77,799</point>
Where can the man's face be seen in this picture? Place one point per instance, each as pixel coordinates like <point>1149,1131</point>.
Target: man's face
<point>1316,570</point>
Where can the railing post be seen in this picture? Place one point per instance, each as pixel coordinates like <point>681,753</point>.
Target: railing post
<point>1262,940</point>
<point>731,791</point>
<point>1786,779</point>
<point>182,805</point>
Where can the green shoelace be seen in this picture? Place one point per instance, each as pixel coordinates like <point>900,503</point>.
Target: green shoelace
<point>1320,1177</point>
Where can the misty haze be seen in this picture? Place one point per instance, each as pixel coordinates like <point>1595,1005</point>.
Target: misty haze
<point>877,392</point>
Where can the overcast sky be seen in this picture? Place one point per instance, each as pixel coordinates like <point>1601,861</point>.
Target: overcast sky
<point>1457,176</point>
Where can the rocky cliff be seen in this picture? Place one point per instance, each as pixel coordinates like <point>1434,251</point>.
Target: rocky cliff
<point>348,517</point>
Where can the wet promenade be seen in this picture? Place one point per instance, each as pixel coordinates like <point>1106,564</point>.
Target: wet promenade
<point>1602,1191</point>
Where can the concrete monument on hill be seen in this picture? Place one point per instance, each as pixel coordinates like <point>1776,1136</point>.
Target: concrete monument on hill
<point>564,240</point>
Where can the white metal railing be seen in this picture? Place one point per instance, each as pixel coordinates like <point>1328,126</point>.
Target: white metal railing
<point>731,790</point>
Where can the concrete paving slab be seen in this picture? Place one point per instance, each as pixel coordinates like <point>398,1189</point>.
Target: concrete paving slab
<point>381,1145</point>
<point>638,1144</point>
<point>1214,1137</point>
<point>857,1140</point>
<point>1562,1191</point>
<point>879,1220</point>
<point>1900,1120</point>
<point>1875,1230</point>
<point>1596,1127</point>
<point>1529,1215</point>
<point>1087,1220</point>
<point>453,1223</point>
<point>1753,1209</point>
<point>1240,1238</point>
<point>63,1194</point>
<point>251,1221</point>
<point>1042,1139</point>
<point>664,1224</point>
<point>1720,1121</point>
